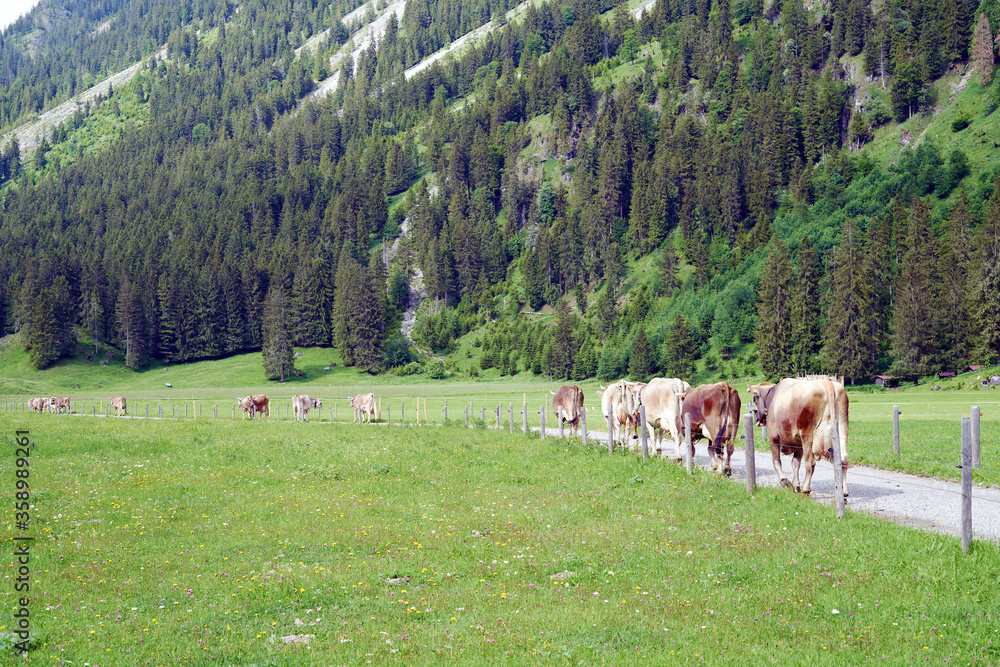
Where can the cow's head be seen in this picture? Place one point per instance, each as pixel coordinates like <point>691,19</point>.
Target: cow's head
<point>761,396</point>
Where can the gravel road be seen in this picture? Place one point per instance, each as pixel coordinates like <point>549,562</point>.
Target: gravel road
<point>919,502</point>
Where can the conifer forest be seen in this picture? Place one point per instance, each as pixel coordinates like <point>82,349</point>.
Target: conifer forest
<point>586,189</point>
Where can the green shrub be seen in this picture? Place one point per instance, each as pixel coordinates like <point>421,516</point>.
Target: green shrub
<point>959,123</point>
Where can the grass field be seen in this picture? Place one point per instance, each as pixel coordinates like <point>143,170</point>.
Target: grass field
<point>170,542</point>
<point>929,425</point>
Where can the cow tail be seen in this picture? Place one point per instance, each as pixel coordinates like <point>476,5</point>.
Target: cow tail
<point>720,435</point>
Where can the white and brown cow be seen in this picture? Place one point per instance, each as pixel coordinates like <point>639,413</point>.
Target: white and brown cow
<point>662,399</point>
<point>567,404</point>
<point>301,406</point>
<point>715,416</point>
<point>261,406</point>
<point>119,404</point>
<point>799,415</point>
<point>37,404</point>
<point>246,404</point>
<point>621,401</point>
<point>363,406</point>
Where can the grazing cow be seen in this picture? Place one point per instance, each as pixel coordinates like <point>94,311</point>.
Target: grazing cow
<point>246,404</point>
<point>363,405</point>
<point>37,404</point>
<point>662,399</point>
<point>261,406</point>
<point>715,416</point>
<point>799,415</point>
<point>569,399</point>
<point>169,386</point>
<point>621,401</point>
<point>63,402</point>
<point>301,406</point>
<point>119,404</point>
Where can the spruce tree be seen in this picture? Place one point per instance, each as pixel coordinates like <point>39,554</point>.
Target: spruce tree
<point>913,339</point>
<point>563,343</point>
<point>845,322</point>
<point>985,288</point>
<point>641,361</point>
<point>131,322</point>
<point>277,352</point>
<point>805,309</point>
<point>668,265</point>
<point>679,350</point>
<point>774,343</point>
<point>44,341</point>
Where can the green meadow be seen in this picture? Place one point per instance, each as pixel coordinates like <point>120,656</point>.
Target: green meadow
<point>201,542</point>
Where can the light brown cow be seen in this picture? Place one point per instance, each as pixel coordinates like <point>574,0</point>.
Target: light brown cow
<point>662,399</point>
<point>799,415</point>
<point>715,416</point>
<point>246,404</point>
<point>64,402</point>
<point>621,401</point>
<point>301,406</point>
<point>119,404</point>
<point>261,406</point>
<point>363,405</point>
<point>37,404</point>
<point>568,400</point>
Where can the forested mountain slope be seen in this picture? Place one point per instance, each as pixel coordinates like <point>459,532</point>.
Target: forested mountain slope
<point>711,187</point>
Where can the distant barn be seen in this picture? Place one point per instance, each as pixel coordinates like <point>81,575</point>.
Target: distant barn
<point>946,374</point>
<point>886,381</point>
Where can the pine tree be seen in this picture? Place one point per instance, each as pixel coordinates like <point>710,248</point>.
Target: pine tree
<point>983,55</point>
<point>563,343</point>
<point>131,322</point>
<point>277,352</point>
<point>668,265</point>
<point>44,342</point>
<point>845,321</point>
<point>985,288</point>
<point>913,339</point>
<point>805,309</point>
<point>774,344</point>
<point>679,349</point>
<point>641,361</point>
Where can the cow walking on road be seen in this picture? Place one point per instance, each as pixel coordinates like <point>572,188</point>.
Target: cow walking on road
<point>364,406</point>
<point>301,406</point>
<point>119,404</point>
<point>715,416</point>
<point>568,400</point>
<point>799,415</point>
<point>662,398</point>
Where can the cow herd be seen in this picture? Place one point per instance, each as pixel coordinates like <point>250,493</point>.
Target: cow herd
<point>799,415</point>
<point>55,404</point>
<point>364,406</point>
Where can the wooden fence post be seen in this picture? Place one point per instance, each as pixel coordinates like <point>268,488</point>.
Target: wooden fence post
<point>482,414</point>
<point>388,414</point>
<point>498,416</point>
<point>215,412</point>
<point>975,437</point>
<point>642,438</point>
<point>750,456</point>
<point>583,419</point>
<point>611,435</point>
<point>466,416</point>
<point>895,429</point>
<point>185,410</point>
<point>159,410</point>
<point>402,412</point>
<point>234,413</point>
<point>541,413</point>
<point>688,446</point>
<point>524,415</point>
<point>512,418</point>
<point>838,472</point>
<point>446,410</point>
<point>966,484</point>
<point>559,416</point>
<point>147,410</point>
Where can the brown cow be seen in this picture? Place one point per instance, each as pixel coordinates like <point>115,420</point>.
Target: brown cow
<point>119,404</point>
<point>364,406</point>
<point>246,404</point>
<point>568,400</point>
<point>799,415</point>
<point>37,404</point>
<point>715,416</point>
<point>261,405</point>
